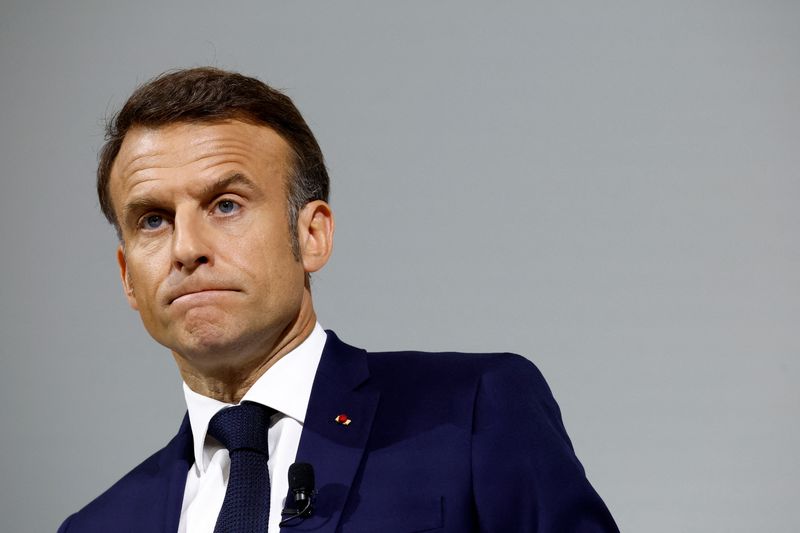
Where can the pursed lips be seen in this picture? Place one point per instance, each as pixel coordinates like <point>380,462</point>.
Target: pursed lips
<point>197,292</point>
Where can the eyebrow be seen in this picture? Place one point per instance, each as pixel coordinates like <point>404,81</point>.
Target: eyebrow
<point>134,208</point>
<point>213,189</point>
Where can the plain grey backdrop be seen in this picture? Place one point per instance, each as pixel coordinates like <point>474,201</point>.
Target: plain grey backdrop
<point>609,188</point>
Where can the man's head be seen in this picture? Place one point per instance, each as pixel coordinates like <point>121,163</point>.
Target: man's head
<point>211,95</point>
<point>205,175</point>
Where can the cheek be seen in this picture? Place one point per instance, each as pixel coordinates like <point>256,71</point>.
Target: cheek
<point>272,267</point>
<point>145,268</point>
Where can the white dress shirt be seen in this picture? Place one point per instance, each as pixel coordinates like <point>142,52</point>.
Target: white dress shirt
<point>285,387</point>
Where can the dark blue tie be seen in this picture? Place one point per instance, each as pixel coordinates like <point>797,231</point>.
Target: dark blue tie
<point>243,430</point>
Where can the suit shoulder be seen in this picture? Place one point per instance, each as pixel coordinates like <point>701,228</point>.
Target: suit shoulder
<point>457,363</point>
<point>413,366</point>
<point>456,371</point>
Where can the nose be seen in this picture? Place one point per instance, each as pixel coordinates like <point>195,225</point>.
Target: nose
<point>190,245</point>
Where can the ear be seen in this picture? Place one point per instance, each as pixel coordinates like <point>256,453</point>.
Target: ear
<point>127,286</point>
<point>315,232</point>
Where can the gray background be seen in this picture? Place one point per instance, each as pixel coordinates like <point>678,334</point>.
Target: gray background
<point>609,188</point>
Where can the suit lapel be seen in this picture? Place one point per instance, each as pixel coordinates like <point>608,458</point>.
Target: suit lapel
<point>334,449</point>
<point>174,467</point>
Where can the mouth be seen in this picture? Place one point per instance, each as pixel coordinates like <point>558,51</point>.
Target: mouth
<point>200,295</point>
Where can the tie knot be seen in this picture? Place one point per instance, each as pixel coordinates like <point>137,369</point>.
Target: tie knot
<point>242,426</point>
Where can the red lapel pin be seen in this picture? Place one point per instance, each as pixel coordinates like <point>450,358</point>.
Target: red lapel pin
<point>342,419</point>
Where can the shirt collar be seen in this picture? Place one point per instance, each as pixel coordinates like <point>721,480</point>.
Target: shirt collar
<point>285,387</point>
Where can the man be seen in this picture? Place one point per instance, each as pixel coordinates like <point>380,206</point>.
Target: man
<point>218,191</point>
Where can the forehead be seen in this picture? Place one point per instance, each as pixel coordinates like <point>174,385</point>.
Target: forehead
<point>197,149</point>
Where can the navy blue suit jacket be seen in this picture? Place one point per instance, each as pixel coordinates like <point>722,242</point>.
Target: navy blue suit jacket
<point>438,442</point>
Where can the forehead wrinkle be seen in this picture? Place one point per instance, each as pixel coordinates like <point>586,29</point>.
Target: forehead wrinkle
<point>250,144</point>
<point>149,153</point>
<point>149,142</point>
<point>133,166</point>
<point>200,184</point>
<point>143,174</point>
<point>217,154</point>
<point>221,160</point>
<point>224,138</point>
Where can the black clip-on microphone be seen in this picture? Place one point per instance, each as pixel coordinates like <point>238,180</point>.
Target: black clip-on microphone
<point>301,484</point>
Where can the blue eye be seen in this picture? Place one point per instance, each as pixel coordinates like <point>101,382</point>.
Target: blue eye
<point>227,206</point>
<point>153,221</point>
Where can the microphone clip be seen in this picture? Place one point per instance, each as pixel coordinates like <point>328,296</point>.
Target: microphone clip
<point>303,508</point>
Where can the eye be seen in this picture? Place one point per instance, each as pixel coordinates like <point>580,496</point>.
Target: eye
<point>227,207</point>
<point>152,222</point>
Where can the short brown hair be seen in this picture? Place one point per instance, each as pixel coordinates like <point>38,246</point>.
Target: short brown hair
<point>209,94</point>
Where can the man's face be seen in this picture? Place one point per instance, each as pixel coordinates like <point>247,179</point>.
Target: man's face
<point>207,256</point>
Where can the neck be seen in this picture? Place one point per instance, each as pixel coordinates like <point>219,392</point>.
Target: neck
<point>229,384</point>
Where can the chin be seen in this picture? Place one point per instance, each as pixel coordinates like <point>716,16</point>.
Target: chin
<point>203,339</point>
